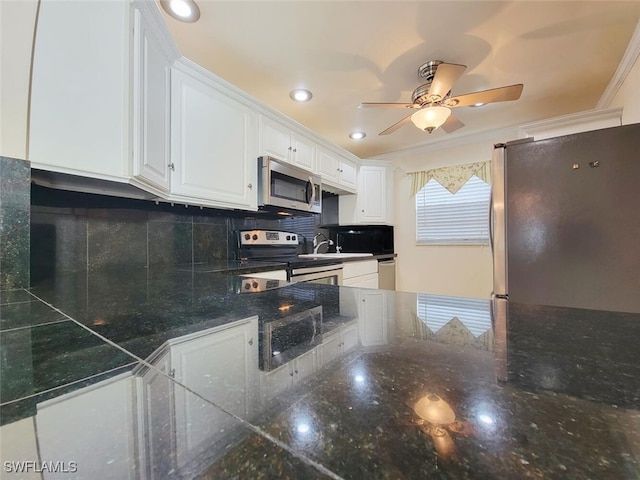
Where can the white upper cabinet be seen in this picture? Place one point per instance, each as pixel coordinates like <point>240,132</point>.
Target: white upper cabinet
<point>152,58</point>
<point>213,144</point>
<point>277,140</point>
<point>79,114</point>
<point>373,202</point>
<point>337,171</point>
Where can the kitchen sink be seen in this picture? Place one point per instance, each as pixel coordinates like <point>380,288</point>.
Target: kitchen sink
<point>334,255</point>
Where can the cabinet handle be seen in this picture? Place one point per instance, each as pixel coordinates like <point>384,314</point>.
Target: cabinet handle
<point>296,371</point>
<point>290,148</point>
<point>250,186</point>
<point>172,167</point>
<point>172,373</point>
<point>363,210</point>
<point>251,341</point>
<point>295,150</point>
<point>291,374</point>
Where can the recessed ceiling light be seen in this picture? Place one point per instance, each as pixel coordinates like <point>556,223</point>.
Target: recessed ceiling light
<point>300,95</point>
<point>357,135</point>
<point>183,10</point>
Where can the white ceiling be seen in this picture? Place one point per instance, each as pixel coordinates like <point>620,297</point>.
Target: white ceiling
<point>347,52</point>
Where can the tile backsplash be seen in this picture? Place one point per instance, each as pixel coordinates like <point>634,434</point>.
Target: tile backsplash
<point>73,231</point>
<point>15,177</point>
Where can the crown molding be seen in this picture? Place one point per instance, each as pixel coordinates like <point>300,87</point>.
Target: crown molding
<point>626,64</point>
<point>503,134</point>
<point>150,10</point>
<point>594,117</point>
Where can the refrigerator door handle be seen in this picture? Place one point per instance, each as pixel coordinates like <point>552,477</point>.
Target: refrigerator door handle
<point>498,220</point>
<point>491,221</point>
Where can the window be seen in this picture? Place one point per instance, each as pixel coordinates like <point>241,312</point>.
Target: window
<point>444,218</point>
<point>436,311</point>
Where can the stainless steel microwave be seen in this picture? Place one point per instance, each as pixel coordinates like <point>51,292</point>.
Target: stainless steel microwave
<point>286,186</point>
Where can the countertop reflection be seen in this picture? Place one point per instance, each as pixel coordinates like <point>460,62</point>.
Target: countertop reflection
<point>145,374</point>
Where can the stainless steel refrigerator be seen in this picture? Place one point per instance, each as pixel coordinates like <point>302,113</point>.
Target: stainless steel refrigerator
<point>566,220</point>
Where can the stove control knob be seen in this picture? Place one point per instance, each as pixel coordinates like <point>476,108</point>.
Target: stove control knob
<point>293,237</point>
<point>247,236</point>
<point>247,286</point>
<point>254,284</point>
<point>288,237</point>
<point>255,237</point>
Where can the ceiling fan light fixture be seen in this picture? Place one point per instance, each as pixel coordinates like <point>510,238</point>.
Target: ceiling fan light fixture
<point>357,135</point>
<point>479,104</point>
<point>430,118</point>
<point>182,10</point>
<point>300,95</point>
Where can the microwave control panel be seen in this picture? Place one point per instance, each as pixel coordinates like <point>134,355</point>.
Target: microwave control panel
<point>267,237</point>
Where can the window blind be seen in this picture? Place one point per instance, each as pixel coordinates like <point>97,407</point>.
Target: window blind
<point>450,219</point>
<point>436,311</point>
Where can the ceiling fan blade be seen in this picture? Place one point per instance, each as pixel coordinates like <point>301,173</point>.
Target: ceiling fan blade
<point>502,94</point>
<point>396,126</point>
<point>446,75</point>
<point>387,105</point>
<point>452,124</point>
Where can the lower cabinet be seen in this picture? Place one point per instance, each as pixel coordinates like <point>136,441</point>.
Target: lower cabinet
<point>338,343</point>
<point>281,379</point>
<point>220,366</point>
<point>373,317</point>
<point>91,428</point>
<point>361,274</point>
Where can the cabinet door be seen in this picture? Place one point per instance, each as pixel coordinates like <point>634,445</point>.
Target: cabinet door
<point>372,319</point>
<point>330,348</point>
<point>372,193</point>
<point>349,338</point>
<point>275,382</point>
<point>328,165</point>
<point>79,105</point>
<point>151,94</point>
<point>304,365</point>
<point>159,427</point>
<point>220,367</point>
<point>66,427</point>
<point>304,153</point>
<point>213,145</point>
<point>348,173</point>
<point>275,140</point>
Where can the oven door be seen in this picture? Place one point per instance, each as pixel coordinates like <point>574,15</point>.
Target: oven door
<point>326,274</point>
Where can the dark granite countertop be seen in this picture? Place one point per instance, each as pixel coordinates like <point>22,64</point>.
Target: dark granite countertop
<point>156,374</point>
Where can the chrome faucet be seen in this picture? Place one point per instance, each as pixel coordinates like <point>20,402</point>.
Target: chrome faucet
<point>317,245</point>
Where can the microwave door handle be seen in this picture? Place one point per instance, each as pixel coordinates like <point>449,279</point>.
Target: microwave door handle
<point>311,198</point>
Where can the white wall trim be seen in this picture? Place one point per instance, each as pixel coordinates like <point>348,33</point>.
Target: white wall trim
<point>626,64</point>
<point>595,116</point>
<point>504,134</point>
<point>157,27</point>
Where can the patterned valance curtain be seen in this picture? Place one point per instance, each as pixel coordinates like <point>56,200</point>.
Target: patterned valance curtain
<point>451,178</point>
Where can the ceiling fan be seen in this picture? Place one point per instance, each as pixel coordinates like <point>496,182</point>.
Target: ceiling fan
<point>433,100</point>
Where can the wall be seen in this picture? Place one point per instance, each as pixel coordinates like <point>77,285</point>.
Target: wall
<point>464,270</point>
<point>628,96</point>
<point>17,27</point>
